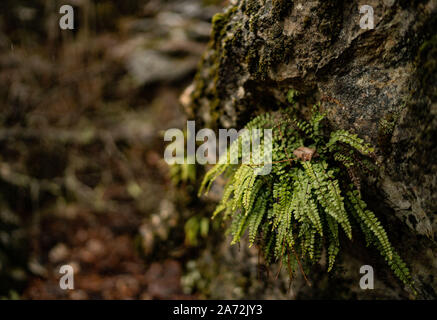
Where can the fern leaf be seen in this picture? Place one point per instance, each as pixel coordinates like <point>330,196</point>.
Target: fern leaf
<point>328,194</point>
<point>371,222</point>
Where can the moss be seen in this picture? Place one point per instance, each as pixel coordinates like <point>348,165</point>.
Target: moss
<point>260,57</point>
<point>273,55</point>
<point>220,23</point>
<point>251,7</point>
<point>217,45</point>
<point>386,127</point>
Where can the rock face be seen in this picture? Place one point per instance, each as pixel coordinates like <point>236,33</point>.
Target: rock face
<point>379,83</point>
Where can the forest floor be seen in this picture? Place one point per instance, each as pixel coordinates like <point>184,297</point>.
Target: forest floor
<point>81,153</point>
<point>101,248</point>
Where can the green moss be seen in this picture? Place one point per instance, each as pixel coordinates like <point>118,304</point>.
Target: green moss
<point>251,7</point>
<point>260,57</point>
<point>217,45</point>
<point>219,23</point>
<point>386,127</point>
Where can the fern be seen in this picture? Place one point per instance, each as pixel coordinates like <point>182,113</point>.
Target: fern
<point>350,139</point>
<point>371,222</point>
<point>301,206</point>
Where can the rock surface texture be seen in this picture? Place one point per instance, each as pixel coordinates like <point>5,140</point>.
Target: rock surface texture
<point>380,84</point>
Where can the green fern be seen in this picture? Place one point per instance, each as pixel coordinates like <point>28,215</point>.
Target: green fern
<point>301,206</point>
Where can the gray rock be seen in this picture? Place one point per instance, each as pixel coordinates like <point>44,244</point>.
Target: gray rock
<point>379,83</point>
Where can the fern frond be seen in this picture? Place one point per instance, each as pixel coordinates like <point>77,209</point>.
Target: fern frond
<point>401,270</point>
<point>334,242</point>
<point>243,177</point>
<point>256,217</point>
<point>327,190</point>
<point>306,206</point>
<point>371,222</point>
<point>350,139</point>
<point>268,242</point>
<point>210,176</point>
<point>240,224</point>
<point>316,119</point>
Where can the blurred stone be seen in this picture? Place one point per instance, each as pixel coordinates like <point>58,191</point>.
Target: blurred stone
<point>164,279</point>
<point>59,253</point>
<point>148,66</point>
<point>78,295</point>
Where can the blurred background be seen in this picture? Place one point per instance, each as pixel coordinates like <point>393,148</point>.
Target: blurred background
<point>82,180</point>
